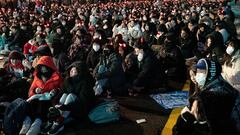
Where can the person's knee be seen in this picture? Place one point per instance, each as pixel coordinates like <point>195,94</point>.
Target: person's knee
<point>70,98</point>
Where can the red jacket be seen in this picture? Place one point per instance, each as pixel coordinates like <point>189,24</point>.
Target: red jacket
<point>27,47</point>
<point>54,82</point>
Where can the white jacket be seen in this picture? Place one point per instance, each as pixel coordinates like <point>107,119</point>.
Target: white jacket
<point>232,73</point>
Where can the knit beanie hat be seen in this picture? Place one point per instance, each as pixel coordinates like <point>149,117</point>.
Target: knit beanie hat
<point>15,55</point>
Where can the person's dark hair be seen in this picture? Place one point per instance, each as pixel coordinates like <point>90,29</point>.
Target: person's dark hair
<point>43,50</point>
<point>235,42</point>
<point>81,67</point>
<point>186,29</point>
<point>48,74</point>
<point>162,28</point>
<point>202,25</point>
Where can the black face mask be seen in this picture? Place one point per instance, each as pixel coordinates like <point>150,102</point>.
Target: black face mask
<point>47,74</point>
<point>106,52</point>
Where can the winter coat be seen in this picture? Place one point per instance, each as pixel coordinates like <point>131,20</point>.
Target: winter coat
<point>114,74</point>
<point>135,32</point>
<point>29,48</point>
<point>149,38</point>
<point>173,63</point>
<point>232,73</point>
<point>11,89</point>
<point>17,70</point>
<point>82,87</point>
<point>93,59</point>
<point>150,74</point>
<point>188,125</point>
<point>54,82</point>
<point>19,39</point>
<point>187,46</point>
<point>229,26</point>
<point>217,50</point>
<point>218,98</point>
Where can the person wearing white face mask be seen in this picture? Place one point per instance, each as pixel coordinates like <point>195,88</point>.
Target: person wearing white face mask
<point>210,106</point>
<point>140,56</point>
<point>96,47</point>
<point>231,70</point>
<point>94,55</point>
<point>231,73</point>
<point>149,75</point>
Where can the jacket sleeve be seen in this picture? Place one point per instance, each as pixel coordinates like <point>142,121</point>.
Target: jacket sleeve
<point>184,125</point>
<point>113,69</point>
<point>32,88</point>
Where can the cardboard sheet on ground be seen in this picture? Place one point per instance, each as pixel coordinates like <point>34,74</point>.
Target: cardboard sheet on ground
<point>171,100</point>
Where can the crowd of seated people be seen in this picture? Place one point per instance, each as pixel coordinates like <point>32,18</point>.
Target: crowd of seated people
<point>63,55</point>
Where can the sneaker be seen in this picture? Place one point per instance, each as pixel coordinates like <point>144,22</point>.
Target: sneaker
<point>56,128</point>
<point>46,128</point>
<point>26,125</point>
<point>35,128</point>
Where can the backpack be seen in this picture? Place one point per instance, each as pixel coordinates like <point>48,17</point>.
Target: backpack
<point>14,116</point>
<point>105,112</point>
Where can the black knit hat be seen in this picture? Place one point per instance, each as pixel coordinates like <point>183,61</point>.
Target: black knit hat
<point>43,50</point>
<point>16,55</point>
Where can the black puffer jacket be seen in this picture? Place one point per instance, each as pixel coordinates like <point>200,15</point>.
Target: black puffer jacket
<point>150,73</point>
<point>218,98</point>
<point>173,62</point>
<point>82,86</point>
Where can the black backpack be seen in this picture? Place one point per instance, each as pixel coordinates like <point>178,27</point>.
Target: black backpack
<point>14,116</point>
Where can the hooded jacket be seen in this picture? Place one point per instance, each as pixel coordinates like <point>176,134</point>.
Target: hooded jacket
<point>216,100</point>
<point>54,82</point>
<point>82,86</point>
<point>217,49</point>
<point>151,74</point>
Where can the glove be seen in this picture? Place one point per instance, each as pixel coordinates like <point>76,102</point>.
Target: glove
<point>38,90</point>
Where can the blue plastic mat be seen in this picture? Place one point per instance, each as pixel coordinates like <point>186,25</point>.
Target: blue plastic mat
<point>172,99</point>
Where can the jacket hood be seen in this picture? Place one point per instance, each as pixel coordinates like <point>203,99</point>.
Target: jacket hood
<point>217,39</point>
<point>47,61</point>
<point>213,69</point>
<point>236,55</point>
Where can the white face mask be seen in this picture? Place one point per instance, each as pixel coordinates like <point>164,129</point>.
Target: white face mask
<point>230,50</point>
<point>201,79</point>
<point>96,47</point>
<point>105,27</point>
<point>140,56</point>
<point>144,18</point>
<point>39,29</point>
<point>63,23</point>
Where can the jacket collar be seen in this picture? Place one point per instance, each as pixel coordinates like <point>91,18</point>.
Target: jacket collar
<point>236,56</point>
